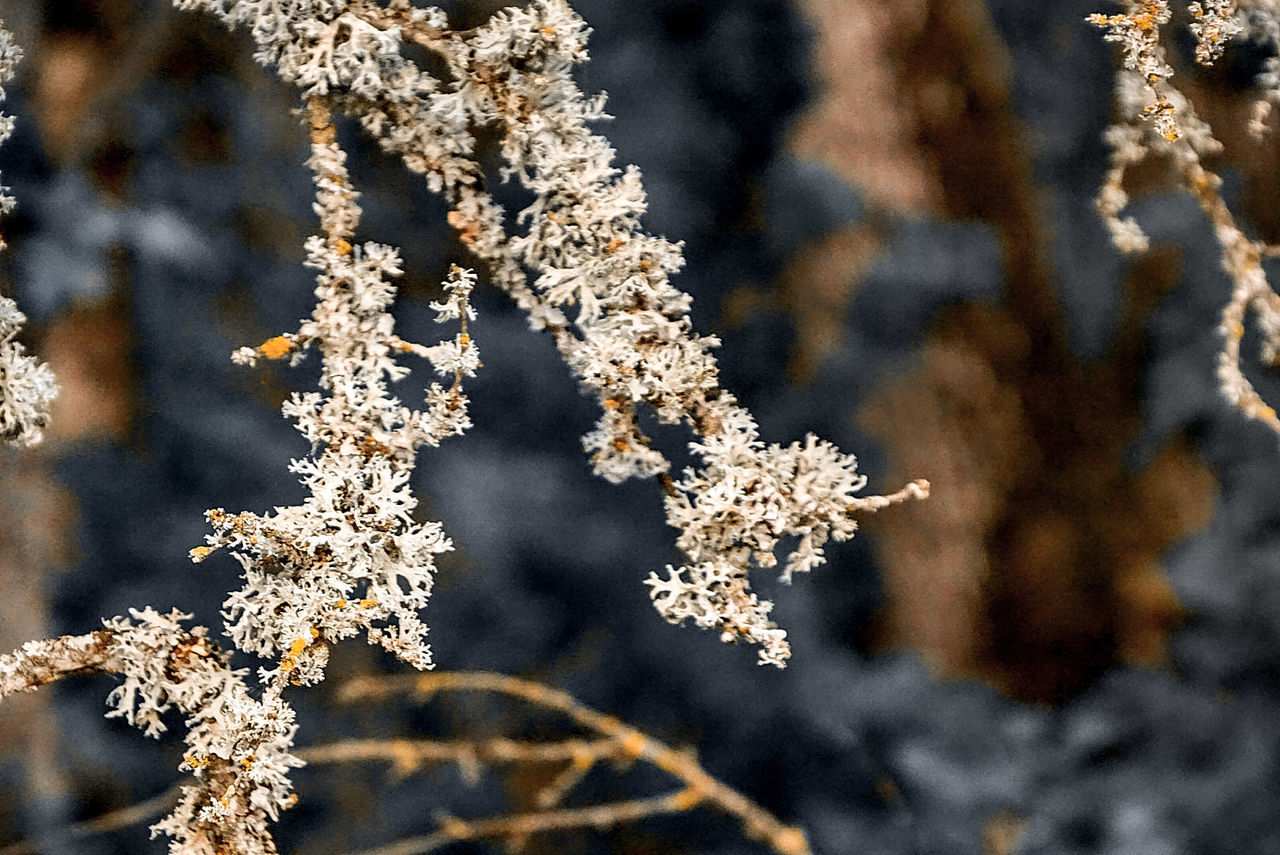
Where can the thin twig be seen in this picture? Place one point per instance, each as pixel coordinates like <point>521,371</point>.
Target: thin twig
<point>115,820</point>
<point>408,755</point>
<point>701,787</point>
<point>521,824</point>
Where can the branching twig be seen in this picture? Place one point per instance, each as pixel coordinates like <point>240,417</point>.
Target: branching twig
<point>700,787</point>
<point>601,816</point>
<point>1214,23</point>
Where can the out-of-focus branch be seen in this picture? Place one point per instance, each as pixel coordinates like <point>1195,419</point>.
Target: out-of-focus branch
<point>601,816</point>
<point>700,787</point>
<point>406,756</point>
<point>409,755</point>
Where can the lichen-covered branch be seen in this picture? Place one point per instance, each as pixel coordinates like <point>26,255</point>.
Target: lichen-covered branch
<point>350,558</point>
<point>238,747</point>
<point>601,283</point>
<point>1186,141</point>
<point>27,385</point>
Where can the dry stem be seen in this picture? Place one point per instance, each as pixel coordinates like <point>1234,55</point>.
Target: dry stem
<point>700,787</point>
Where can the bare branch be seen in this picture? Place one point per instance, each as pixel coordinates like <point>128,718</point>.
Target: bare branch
<point>700,787</point>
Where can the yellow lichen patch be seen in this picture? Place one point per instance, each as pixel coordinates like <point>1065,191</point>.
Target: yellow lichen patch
<point>343,247</point>
<point>274,348</point>
<point>301,644</point>
<point>341,604</point>
<point>368,603</point>
<point>200,553</point>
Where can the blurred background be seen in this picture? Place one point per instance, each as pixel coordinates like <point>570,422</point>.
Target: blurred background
<point>1072,647</point>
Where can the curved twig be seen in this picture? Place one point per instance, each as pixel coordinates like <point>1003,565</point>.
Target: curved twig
<point>700,787</point>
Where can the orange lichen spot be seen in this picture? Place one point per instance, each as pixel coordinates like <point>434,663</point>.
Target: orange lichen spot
<point>343,247</point>
<point>645,264</point>
<point>633,743</point>
<point>291,801</point>
<point>196,761</point>
<point>315,633</point>
<point>613,245</point>
<point>790,841</point>
<point>341,604</point>
<point>274,348</point>
<point>613,403</point>
<point>299,645</point>
<point>368,603</point>
<point>686,799</point>
<point>1171,135</point>
<point>468,229</point>
<point>620,444</point>
<point>200,553</point>
<point>246,762</point>
<point>464,339</point>
<point>548,31</point>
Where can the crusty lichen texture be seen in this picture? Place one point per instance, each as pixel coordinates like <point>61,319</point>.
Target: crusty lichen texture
<point>352,558</point>
<point>27,385</point>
